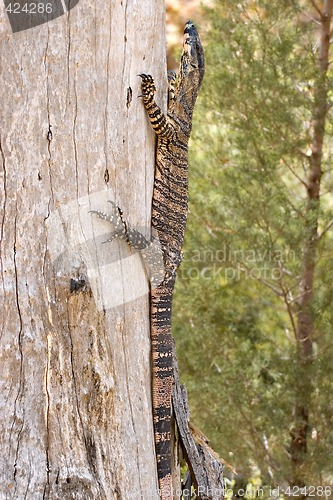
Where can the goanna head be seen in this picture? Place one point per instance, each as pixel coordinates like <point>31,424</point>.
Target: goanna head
<point>192,68</point>
<point>193,55</point>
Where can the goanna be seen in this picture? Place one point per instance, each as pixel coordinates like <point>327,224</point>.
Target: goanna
<point>169,214</point>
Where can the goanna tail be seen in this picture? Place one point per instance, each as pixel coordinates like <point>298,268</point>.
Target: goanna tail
<point>162,380</point>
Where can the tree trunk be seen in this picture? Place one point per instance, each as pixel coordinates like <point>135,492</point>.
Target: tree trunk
<point>305,316</point>
<point>76,417</point>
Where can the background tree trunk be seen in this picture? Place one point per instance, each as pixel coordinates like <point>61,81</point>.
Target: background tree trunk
<point>75,365</point>
<point>305,326</point>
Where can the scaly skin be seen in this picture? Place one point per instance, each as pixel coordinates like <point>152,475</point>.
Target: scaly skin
<point>162,255</point>
<point>169,214</point>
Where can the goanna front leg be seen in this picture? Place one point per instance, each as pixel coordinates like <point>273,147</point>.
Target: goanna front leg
<point>157,118</point>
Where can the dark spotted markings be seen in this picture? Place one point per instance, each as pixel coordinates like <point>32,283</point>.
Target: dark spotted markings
<point>169,214</point>
<point>162,255</point>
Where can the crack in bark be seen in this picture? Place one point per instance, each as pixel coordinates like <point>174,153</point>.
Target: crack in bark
<point>74,139</point>
<point>130,405</point>
<point>47,368</point>
<point>85,438</point>
<point>106,121</point>
<point>68,56</point>
<point>4,206</point>
<point>28,482</point>
<point>126,377</point>
<point>49,160</point>
<point>47,410</point>
<point>21,383</point>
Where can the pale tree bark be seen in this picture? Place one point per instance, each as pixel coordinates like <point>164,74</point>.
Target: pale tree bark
<point>74,321</point>
<point>305,315</point>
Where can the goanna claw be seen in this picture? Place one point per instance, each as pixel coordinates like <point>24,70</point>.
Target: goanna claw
<point>146,78</point>
<point>115,219</point>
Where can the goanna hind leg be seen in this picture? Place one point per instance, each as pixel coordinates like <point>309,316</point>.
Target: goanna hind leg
<point>133,237</point>
<point>115,217</point>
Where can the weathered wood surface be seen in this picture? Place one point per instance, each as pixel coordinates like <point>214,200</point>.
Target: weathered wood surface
<point>204,464</point>
<point>75,401</point>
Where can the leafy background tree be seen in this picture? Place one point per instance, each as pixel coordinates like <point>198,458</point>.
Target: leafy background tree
<point>253,312</point>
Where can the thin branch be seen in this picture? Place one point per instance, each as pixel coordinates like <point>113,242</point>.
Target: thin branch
<point>252,431</point>
<point>324,231</point>
<point>294,173</point>
<point>285,294</point>
<point>315,6</point>
<point>304,155</point>
<point>285,271</point>
<point>263,281</point>
<point>313,19</point>
<point>327,170</point>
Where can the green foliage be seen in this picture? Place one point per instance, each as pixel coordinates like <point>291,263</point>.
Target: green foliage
<point>244,244</point>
